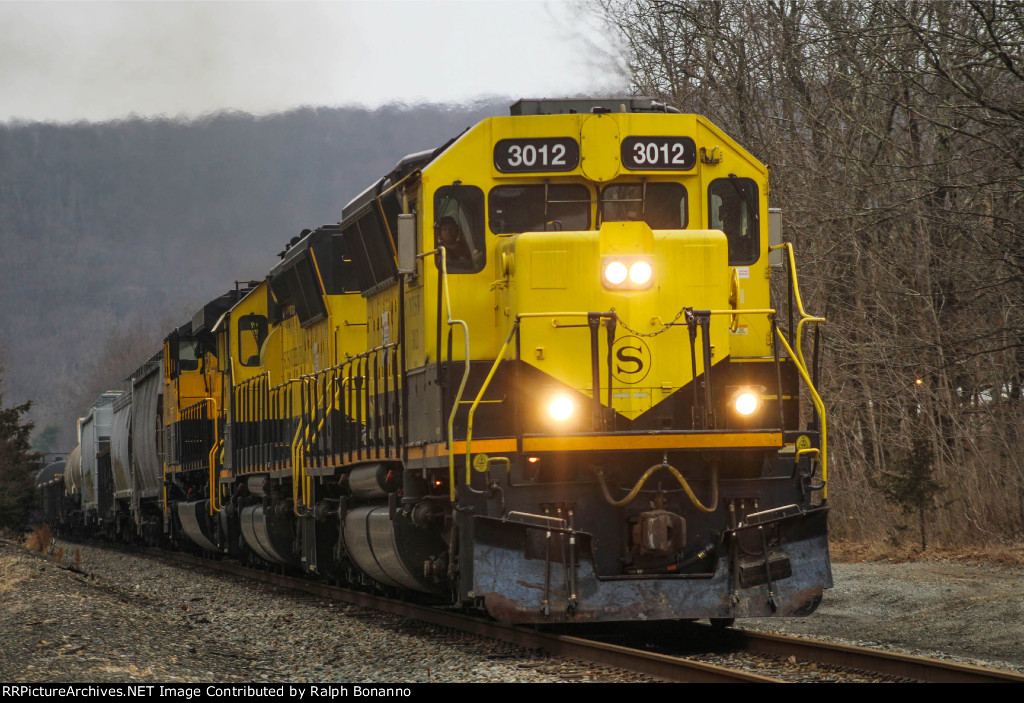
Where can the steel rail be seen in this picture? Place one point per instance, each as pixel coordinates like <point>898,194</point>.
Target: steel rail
<point>907,666</point>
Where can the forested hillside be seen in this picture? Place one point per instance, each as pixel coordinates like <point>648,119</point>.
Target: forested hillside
<point>111,234</point>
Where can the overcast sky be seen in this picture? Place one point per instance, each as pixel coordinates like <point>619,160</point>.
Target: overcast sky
<point>69,61</point>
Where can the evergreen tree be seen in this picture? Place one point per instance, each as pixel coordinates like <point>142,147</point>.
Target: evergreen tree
<point>911,483</point>
<point>17,462</point>
<point>46,440</point>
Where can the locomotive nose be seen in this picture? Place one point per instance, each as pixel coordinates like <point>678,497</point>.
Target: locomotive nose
<point>633,283</point>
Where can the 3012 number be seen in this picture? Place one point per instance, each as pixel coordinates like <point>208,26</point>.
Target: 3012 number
<point>527,155</point>
<point>659,153</point>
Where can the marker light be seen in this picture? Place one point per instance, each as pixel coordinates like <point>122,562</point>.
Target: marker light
<point>640,272</point>
<point>746,403</point>
<point>615,272</point>
<point>561,407</point>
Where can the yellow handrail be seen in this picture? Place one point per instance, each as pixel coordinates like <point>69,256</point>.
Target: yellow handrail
<point>314,433</point>
<point>299,463</point>
<point>294,456</point>
<point>252,406</point>
<point>331,404</point>
<point>801,364</point>
<point>752,311</point>
<point>217,442</point>
<point>487,381</point>
<point>499,357</point>
<point>195,412</point>
<point>465,374</point>
<point>817,404</point>
<point>300,445</point>
<point>804,316</point>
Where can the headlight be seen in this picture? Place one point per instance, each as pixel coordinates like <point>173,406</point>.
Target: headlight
<point>615,272</point>
<point>640,272</point>
<point>746,402</point>
<point>627,272</point>
<point>561,407</point>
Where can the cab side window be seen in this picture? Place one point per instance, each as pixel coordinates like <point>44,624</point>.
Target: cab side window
<point>459,227</point>
<point>733,208</point>
<point>188,354</point>
<point>252,330</point>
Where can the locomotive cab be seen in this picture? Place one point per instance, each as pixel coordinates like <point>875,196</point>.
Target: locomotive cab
<point>195,368</point>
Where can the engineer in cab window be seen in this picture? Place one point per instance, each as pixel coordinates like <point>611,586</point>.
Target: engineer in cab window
<point>449,236</point>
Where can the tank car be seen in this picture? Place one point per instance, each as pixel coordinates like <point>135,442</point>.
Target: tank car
<point>537,371</point>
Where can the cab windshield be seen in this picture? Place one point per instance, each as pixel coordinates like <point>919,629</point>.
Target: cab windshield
<point>660,205</point>
<point>538,208</point>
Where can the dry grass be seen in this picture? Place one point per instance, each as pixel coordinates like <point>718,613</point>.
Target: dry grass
<point>863,551</point>
<point>12,572</point>
<point>39,540</point>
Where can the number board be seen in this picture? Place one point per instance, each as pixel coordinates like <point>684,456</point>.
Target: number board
<point>659,153</point>
<point>530,155</point>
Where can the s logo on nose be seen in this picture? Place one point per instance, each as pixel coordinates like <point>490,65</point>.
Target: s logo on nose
<point>631,359</point>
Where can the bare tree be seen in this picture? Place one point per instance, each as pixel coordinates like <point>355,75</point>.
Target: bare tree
<point>896,135</point>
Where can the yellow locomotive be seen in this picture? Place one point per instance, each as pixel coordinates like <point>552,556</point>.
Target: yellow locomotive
<point>537,371</point>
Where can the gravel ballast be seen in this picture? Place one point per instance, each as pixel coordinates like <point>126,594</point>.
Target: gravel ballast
<point>973,613</point>
<point>130,618</point>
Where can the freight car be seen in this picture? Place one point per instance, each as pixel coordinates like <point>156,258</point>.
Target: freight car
<point>537,371</point>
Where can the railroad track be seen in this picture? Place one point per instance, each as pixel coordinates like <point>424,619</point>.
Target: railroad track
<point>904,666</point>
<point>657,657</point>
<point>666,638</point>
<point>662,666</point>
